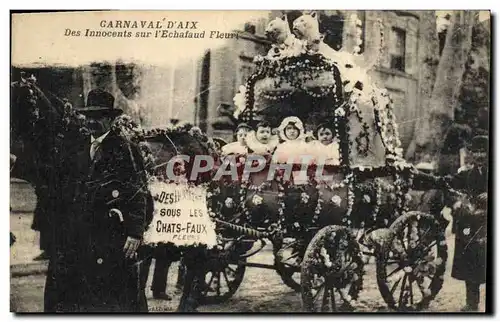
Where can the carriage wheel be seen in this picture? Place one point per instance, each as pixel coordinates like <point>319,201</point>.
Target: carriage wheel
<point>287,259</point>
<point>223,277</point>
<point>332,271</point>
<point>411,265</point>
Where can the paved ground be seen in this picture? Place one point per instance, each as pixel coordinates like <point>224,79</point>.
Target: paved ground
<point>261,290</point>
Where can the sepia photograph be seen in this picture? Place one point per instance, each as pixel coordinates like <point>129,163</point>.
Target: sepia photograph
<point>273,161</point>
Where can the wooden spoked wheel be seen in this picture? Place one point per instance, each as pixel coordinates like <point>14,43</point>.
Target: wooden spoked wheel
<point>332,271</point>
<point>412,262</point>
<point>222,280</point>
<point>288,259</point>
<point>224,272</point>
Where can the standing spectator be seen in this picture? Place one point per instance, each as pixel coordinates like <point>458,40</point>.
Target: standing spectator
<point>110,203</point>
<point>469,261</point>
<point>164,256</point>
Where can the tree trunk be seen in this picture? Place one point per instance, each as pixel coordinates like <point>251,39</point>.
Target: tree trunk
<point>429,135</point>
<point>428,55</point>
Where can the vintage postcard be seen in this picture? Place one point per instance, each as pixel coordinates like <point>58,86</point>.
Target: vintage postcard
<point>250,161</point>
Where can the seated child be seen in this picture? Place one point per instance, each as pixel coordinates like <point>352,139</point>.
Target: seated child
<point>293,145</point>
<point>261,141</point>
<point>326,148</point>
<point>240,146</point>
<point>293,149</point>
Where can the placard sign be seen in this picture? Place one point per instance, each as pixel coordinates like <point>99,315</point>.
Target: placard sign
<point>180,216</point>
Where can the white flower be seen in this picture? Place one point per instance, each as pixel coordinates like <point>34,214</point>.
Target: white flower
<point>239,101</point>
<point>257,200</point>
<point>326,257</point>
<point>229,202</point>
<point>466,231</point>
<point>304,197</point>
<point>336,200</point>
<point>340,111</point>
<point>195,131</point>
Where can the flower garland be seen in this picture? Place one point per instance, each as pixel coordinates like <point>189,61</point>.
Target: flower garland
<point>341,128</point>
<point>363,139</point>
<point>385,122</point>
<point>295,71</point>
<point>350,197</point>
<point>382,40</point>
<point>357,26</point>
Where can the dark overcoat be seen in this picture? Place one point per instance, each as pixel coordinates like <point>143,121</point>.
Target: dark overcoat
<point>90,272</point>
<point>469,263</point>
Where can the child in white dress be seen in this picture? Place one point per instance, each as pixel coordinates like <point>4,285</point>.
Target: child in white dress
<point>240,146</point>
<point>262,141</point>
<point>293,149</point>
<point>326,148</point>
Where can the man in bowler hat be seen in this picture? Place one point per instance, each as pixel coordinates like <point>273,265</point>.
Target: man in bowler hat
<point>111,201</point>
<point>470,223</point>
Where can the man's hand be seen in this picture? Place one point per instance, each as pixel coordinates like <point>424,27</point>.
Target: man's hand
<point>130,247</point>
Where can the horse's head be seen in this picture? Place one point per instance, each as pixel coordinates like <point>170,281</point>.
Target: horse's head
<point>37,115</point>
<point>160,146</point>
<point>41,125</point>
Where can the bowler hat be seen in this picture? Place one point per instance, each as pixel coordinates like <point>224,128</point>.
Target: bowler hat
<point>100,102</point>
<point>479,143</point>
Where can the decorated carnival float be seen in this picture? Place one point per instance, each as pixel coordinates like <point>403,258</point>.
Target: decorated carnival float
<point>316,226</point>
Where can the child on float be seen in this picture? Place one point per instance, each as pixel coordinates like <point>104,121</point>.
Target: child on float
<point>239,147</point>
<point>293,149</point>
<point>326,147</point>
<point>262,141</point>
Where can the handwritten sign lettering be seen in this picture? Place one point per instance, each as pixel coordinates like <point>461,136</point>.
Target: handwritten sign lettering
<point>180,216</point>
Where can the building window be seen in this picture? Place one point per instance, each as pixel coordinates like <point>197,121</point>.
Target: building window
<point>397,49</point>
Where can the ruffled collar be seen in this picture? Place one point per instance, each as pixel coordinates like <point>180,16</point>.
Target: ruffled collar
<point>261,148</point>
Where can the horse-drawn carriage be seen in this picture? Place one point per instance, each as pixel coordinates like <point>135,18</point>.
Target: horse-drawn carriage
<point>316,225</point>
